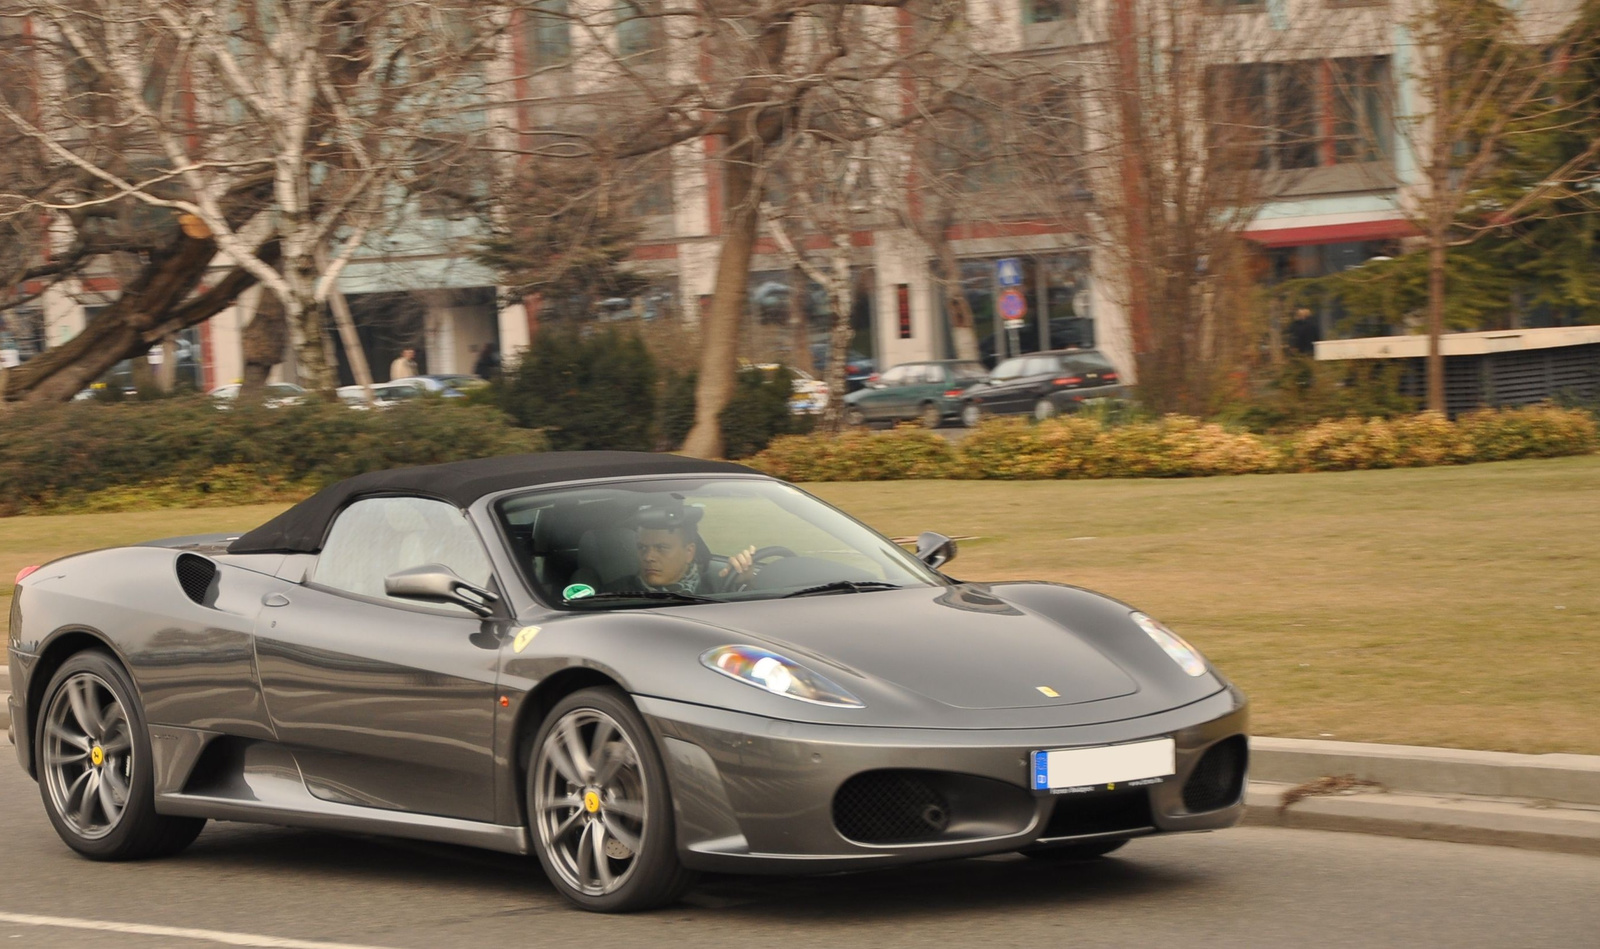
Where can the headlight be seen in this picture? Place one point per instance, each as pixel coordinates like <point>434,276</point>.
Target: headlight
<point>773,673</point>
<point>1173,645</point>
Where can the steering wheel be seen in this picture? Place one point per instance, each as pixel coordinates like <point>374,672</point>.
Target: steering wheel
<point>767,553</point>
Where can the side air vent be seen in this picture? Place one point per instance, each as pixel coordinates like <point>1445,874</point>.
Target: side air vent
<point>1218,779</point>
<point>195,575</point>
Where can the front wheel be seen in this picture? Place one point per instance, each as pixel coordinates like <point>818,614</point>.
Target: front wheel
<point>95,770</point>
<point>931,416</point>
<point>854,417</point>
<point>599,807</point>
<point>971,415</point>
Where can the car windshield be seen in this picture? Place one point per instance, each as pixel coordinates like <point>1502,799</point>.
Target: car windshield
<point>655,543</point>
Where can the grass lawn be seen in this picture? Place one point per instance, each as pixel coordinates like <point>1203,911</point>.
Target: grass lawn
<point>1439,606</point>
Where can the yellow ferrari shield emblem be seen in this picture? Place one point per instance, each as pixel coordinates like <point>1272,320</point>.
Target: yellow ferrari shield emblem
<point>97,755</point>
<point>524,637</point>
<point>591,801</point>
<point>1047,691</point>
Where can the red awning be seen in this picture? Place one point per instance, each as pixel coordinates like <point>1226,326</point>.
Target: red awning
<point>1332,233</point>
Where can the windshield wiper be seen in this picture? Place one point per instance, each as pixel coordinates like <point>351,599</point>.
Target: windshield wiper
<point>669,596</point>
<point>846,586</point>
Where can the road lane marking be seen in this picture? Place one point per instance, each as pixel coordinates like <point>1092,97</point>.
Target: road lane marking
<point>176,932</point>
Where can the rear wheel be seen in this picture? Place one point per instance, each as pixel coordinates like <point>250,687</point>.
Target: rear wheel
<point>1044,409</point>
<point>931,416</point>
<point>599,807</point>
<point>95,771</point>
<point>1067,853</point>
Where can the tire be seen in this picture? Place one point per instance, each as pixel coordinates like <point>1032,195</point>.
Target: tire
<point>854,417</point>
<point>930,416</point>
<point>576,808</point>
<point>1067,853</point>
<point>1044,409</point>
<point>971,414</point>
<point>91,710</point>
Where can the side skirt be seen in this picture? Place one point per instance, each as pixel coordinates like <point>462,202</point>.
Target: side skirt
<point>348,818</point>
<point>218,777</point>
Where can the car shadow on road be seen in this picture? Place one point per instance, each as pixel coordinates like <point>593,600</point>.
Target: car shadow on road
<point>955,886</point>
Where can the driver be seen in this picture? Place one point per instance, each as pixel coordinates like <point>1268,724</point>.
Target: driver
<point>670,555</point>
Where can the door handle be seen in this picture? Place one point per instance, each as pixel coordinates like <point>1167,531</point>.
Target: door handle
<point>274,599</point>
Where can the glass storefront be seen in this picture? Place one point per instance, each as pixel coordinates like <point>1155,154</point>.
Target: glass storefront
<point>1056,288</point>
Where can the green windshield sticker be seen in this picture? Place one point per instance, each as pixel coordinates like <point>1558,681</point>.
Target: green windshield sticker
<point>577,591</point>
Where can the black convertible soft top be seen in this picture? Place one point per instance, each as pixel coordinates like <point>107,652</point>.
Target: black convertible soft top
<point>302,528</point>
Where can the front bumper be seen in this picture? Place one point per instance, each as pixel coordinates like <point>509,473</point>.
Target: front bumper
<point>754,795</point>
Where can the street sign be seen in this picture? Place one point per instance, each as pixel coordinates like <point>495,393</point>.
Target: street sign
<point>1013,306</point>
<point>1008,272</point>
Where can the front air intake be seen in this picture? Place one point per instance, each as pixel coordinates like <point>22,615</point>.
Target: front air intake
<point>1218,779</point>
<point>890,807</point>
<point>196,575</point>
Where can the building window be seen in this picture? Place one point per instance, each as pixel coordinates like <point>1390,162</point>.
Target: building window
<point>548,34</point>
<point>1048,11</point>
<point>639,33</point>
<point>1300,115</point>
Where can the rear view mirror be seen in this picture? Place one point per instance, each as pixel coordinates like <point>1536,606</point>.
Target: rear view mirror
<point>436,583</point>
<point>935,549</point>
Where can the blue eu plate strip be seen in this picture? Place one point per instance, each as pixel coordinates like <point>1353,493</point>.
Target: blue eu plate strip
<point>1041,771</point>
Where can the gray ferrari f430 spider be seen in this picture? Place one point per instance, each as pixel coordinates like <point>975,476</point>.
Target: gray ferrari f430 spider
<point>633,666</point>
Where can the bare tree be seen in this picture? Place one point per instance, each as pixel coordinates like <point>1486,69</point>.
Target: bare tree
<point>282,133</point>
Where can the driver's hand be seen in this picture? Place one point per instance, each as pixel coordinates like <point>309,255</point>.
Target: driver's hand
<point>741,565</point>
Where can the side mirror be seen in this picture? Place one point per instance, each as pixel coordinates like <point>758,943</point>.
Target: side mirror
<point>436,583</point>
<point>935,549</point>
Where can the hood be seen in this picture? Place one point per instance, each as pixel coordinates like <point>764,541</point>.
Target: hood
<point>959,646</point>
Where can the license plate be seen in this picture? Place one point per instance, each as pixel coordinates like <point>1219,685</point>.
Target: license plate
<point>1102,768</point>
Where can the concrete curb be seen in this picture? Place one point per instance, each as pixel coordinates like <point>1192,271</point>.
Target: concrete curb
<point>1540,802</point>
<point>1572,779</point>
<point>1529,824</point>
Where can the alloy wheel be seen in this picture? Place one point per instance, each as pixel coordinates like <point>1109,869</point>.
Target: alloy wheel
<point>87,756</point>
<point>1043,409</point>
<point>971,415</point>
<point>931,416</point>
<point>590,803</point>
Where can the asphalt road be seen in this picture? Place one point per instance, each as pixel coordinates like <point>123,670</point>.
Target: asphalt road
<point>262,886</point>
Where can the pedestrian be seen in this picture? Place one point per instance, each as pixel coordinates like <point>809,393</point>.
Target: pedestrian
<point>488,365</point>
<point>404,365</point>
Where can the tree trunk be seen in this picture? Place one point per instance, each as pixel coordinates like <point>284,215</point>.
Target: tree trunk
<point>754,124</point>
<point>1436,270</point>
<point>962,331</point>
<point>841,299</point>
<point>263,342</point>
<point>799,324</point>
<point>720,332</point>
<point>127,329</point>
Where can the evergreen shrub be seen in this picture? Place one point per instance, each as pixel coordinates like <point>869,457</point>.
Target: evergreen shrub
<point>181,452</point>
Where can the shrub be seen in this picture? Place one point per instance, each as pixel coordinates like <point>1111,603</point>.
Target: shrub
<point>905,453</point>
<point>1533,432</point>
<point>757,412</point>
<point>1303,392</point>
<point>594,391</point>
<point>1180,447</point>
<point>188,451</point>
<point>1430,439</point>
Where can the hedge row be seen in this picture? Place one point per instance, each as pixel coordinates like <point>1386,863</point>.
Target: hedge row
<point>181,452</point>
<point>1179,447</point>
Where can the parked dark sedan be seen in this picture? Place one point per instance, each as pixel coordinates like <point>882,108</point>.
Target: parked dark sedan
<point>929,392</point>
<point>628,666</point>
<point>1043,384</point>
